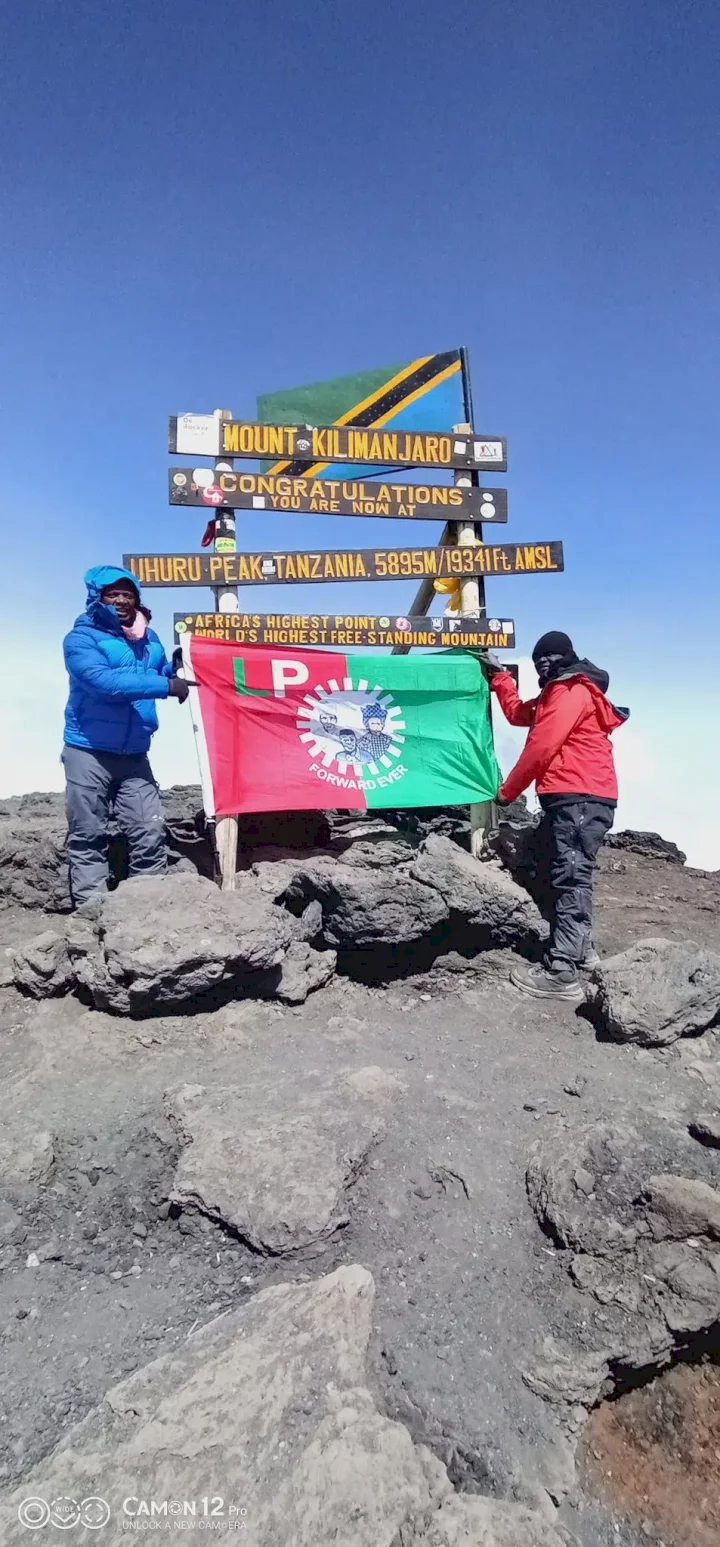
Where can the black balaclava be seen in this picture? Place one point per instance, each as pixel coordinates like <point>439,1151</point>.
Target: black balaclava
<point>558,648</point>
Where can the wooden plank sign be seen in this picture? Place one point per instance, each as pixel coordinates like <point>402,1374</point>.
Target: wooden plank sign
<point>208,435</point>
<point>338,630</point>
<point>334,497</point>
<point>293,568</point>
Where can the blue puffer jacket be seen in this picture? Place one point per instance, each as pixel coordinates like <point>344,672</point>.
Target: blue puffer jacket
<point>114,681</point>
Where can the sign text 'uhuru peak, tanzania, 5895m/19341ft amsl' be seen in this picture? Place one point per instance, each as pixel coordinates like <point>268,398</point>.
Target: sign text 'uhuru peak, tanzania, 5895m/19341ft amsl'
<point>283,568</point>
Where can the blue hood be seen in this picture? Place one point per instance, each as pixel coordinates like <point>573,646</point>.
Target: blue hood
<point>96,580</point>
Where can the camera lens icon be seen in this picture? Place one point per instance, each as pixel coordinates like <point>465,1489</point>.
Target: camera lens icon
<point>34,1513</point>
<point>94,1513</point>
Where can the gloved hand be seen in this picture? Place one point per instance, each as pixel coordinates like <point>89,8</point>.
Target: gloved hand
<point>178,688</point>
<point>490,662</point>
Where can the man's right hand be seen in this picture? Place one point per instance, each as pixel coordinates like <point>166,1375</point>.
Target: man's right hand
<point>178,688</point>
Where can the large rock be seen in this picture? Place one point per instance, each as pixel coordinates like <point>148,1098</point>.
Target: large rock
<point>634,1206</point>
<point>274,1168</point>
<point>42,967</point>
<point>479,894</point>
<point>650,845</point>
<point>268,1410</point>
<point>366,905</point>
<point>161,944</point>
<point>33,864</point>
<point>656,991</point>
<point>302,970</point>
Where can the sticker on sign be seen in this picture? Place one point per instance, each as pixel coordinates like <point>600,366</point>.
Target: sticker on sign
<point>198,435</point>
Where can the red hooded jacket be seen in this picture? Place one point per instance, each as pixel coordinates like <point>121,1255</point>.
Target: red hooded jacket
<point>568,751</point>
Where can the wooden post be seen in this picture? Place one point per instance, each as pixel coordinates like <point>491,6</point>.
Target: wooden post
<point>472,603</point>
<point>226,600</point>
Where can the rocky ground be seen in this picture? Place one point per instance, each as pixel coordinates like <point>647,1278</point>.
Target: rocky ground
<point>305,1210</point>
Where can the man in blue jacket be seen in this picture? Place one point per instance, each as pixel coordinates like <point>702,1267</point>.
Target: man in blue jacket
<point>117,668</point>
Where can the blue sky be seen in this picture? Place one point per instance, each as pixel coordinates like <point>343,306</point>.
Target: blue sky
<point>204,202</point>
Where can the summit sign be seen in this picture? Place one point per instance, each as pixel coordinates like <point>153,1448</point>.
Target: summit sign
<point>207,435</point>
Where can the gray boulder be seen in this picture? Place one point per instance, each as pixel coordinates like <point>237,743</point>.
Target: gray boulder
<point>163,943</point>
<point>273,1167</point>
<point>650,845</point>
<point>33,865</point>
<point>269,1410</point>
<point>366,905</point>
<point>656,991</point>
<point>42,967</point>
<point>634,1206</point>
<point>302,970</point>
<point>479,894</point>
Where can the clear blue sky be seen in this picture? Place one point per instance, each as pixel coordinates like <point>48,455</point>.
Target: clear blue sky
<point>205,201</point>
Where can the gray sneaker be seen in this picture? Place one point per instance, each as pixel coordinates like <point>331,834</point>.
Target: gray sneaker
<point>542,984</point>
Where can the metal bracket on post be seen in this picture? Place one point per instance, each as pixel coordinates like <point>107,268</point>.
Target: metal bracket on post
<point>472,603</point>
<point>226,600</point>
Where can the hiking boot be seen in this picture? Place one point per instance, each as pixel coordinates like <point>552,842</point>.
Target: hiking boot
<point>542,984</point>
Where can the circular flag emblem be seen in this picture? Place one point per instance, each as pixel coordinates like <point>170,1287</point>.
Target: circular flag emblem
<point>356,727</point>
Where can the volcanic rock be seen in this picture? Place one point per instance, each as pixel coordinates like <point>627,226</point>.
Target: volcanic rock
<point>635,1207</point>
<point>273,1168</point>
<point>656,991</point>
<point>366,905</point>
<point>479,894</point>
<point>161,944</point>
<point>650,845</point>
<point>302,970</point>
<point>271,1402</point>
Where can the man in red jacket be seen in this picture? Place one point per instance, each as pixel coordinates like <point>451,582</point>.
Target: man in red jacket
<point>569,758</point>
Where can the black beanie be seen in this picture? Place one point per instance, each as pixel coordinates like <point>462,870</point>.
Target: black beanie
<point>554,643</point>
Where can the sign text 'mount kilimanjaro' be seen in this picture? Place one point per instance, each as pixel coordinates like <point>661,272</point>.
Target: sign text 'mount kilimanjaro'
<point>334,496</point>
<point>230,569</point>
<point>333,630</point>
<point>340,443</point>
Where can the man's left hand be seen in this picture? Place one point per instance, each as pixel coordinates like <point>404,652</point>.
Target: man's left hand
<point>500,800</point>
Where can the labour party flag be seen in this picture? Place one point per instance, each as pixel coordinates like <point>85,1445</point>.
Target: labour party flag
<point>299,730</point>
<point>431,393</point>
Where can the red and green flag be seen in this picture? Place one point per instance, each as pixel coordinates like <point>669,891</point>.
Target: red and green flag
<point>300,730</point>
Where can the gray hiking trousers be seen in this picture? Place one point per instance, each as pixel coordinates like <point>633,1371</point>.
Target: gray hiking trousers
<point>96,783</point>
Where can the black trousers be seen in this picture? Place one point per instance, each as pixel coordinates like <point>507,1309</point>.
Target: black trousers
<point>566,846</point>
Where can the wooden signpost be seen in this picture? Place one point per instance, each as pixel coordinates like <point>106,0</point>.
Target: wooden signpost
<point>296,567</point>
<point>338,631</point>
<point>207,488</point>
<point>296,476</point>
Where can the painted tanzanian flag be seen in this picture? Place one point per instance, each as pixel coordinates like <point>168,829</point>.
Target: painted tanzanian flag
<point>430,393</point>
<point>300,730</point>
